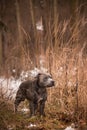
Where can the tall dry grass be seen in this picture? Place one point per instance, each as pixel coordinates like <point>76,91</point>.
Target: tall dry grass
<point>64,50</point>
<point>68,66</point>
<point>66,60</point>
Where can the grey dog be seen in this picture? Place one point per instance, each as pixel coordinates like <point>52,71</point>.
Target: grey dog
<point>35,92</point>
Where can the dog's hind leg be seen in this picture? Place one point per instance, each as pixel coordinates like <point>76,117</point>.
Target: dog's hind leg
<point>19,97</point>
<point>16,104</point>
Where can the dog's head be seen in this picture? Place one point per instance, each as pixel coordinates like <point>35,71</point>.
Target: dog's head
<point>45,80</point>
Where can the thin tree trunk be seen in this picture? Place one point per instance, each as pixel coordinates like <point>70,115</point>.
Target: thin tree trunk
<point>18,23</point>
<point>20,38</point>
<point>55,23</point>
<point>0,48</point>
<point>45,21</point>
<point>33,20</point>
<point>34,45</point>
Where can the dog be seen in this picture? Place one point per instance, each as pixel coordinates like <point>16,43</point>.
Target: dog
<point>35,92</point>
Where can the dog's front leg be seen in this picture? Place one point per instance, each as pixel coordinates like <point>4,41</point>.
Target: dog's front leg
<point>41,108</point>
<point>32,108</point>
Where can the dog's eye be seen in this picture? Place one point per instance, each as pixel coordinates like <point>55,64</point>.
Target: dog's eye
<point>45,78</point>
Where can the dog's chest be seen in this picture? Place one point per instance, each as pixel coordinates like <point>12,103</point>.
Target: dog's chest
<point>41,91</point>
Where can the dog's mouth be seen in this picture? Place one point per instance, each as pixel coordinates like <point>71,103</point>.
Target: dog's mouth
<point>52,83</point>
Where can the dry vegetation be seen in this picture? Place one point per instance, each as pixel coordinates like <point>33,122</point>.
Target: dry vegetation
<point>67,101</point>
<point>65,54</point>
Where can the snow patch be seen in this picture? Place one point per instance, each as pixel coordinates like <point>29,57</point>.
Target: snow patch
<point>9,87</point>
<point>69,128</point>
<point>72,127</point>
<point>31,126</point>
<point>39,26</point>
<point>25,110</point>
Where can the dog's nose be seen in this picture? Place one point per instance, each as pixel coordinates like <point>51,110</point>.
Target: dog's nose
<point>53,83</point>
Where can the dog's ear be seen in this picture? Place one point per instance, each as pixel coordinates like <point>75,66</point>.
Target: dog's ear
<point>37,76</point>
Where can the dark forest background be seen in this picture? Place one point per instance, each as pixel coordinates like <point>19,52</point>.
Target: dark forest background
<point>20,40</point>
